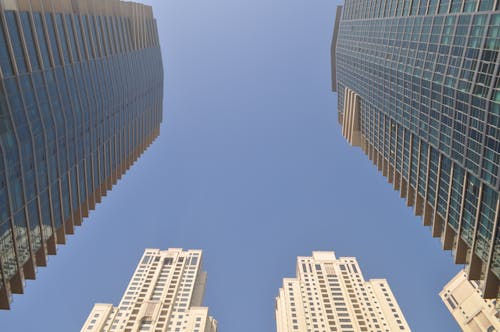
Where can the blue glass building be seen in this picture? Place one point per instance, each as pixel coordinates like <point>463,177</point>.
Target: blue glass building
<point>81,89</point>
<point>419,91</point>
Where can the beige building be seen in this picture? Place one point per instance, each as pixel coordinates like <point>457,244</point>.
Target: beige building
<point>165,294</point>
<point>463,299</point>
<point>330,294</point>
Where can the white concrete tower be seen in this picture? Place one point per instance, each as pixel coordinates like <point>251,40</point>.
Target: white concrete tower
<point>464,300</point>
<point>330,294</point>
<point>165,294</point>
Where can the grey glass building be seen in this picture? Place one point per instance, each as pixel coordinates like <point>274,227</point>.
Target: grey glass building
<point>419,91</point>
<point>81,86</point>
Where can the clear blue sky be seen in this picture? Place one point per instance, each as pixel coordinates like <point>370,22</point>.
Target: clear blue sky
<point>250,166</point>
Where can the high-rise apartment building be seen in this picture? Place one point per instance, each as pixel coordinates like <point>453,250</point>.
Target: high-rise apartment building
<point>419,91</point>
<point>81,86</point>
<point>330,294</point>
<point>165,294</point>
<point>463,299</point>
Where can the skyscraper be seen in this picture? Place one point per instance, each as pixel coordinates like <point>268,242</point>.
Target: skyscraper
<point>463,299</point>
<point>165,294</point>
<point>330,294</point>
<point>81,86</point>
<point>419,91</point>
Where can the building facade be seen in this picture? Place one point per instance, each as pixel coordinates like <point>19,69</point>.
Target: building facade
<point>419,91</point>
<point>330,294</point>
<point>463,299</point>
<point>81,86</point>
<point>165,294</point>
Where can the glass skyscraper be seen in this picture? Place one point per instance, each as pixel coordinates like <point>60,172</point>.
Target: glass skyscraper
<point>419,91</point>
<point>81,87</point>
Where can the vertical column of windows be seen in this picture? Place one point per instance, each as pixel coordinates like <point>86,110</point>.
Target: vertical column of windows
<point>394,7</point>
<point>432,7</point>
<point>94,83</point>
<point>43,164</point>
<point>61,38</point>
<point>15,38</point>
<point>79,37</point>
<point>104,33</point>
<point>456,6</point>
<point>485,5</point>
<point>54,172</point>
<point>66,130</point>
<point>495,258</point>
<point>486,222</point>
<point>444,182</point>
<point>15,168</point>
<point>7,148</point>
<point>414,8</point>
<point>491,155</point>
<point>99,39</point>
<point>87,37</point>
<point>88,98</point>
<point>414,161</point>
<point>432,180</point>
<point>42,43</point>
<point>456,196</point>
<point>112,37</point>
<point>52,37</point>
<point>469,209</point>
<point>70,35</point>
<point>30,179</point>
<point>118,21</point>
<point>422,170</point>
<point>76,143</point>
<point>406,154</point>
<point>390,141</point>
<point>470,5</point>
<point>30,42</point>
<point>94,37</point>
<point>5,60</point>
<point>117,38</point>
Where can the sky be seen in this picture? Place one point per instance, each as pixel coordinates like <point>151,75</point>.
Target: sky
<point>250,167</point>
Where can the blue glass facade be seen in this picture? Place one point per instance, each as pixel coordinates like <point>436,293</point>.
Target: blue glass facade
<point>81,94</point>
<point>425,77</point>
